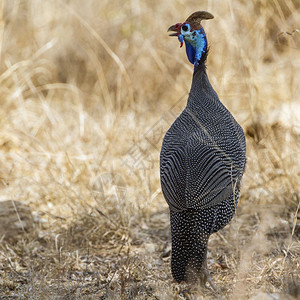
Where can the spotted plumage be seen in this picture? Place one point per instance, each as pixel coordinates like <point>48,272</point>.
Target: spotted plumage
<point>202,161</point>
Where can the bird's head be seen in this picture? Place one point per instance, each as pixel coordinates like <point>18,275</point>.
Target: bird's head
<point>193,35</point>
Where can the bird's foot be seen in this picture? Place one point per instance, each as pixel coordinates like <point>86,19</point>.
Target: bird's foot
<point>206,277</point>
<point>210,281</point>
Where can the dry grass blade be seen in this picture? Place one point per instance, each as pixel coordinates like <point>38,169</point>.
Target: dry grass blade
<point>87,90</point>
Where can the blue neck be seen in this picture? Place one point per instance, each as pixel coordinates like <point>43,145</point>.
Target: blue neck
<point>195,46</point>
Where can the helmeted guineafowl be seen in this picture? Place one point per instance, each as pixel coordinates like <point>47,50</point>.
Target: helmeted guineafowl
<point>202,162</point>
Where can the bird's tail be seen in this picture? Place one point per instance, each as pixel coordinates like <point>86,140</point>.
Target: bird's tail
<point>189,245</point>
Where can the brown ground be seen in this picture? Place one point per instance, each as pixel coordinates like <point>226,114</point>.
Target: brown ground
<point>87,89</point>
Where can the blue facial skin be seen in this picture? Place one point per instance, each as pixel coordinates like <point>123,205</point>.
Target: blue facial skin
<point>195,43</point>
<point>180,38</point>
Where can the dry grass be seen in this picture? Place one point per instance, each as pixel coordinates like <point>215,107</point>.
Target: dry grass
<point>86,89</point>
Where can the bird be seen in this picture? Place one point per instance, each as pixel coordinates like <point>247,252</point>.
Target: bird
<point>202,161</point>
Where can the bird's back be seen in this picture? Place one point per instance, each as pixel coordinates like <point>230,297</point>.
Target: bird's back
<point>203,152</point>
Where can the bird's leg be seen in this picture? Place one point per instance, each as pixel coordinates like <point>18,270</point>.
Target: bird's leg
<point>205,276</point>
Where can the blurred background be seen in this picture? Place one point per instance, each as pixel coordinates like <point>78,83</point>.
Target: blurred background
<point>87,91</point>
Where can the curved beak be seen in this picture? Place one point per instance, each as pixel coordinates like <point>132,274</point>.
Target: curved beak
<point>172,28</point>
